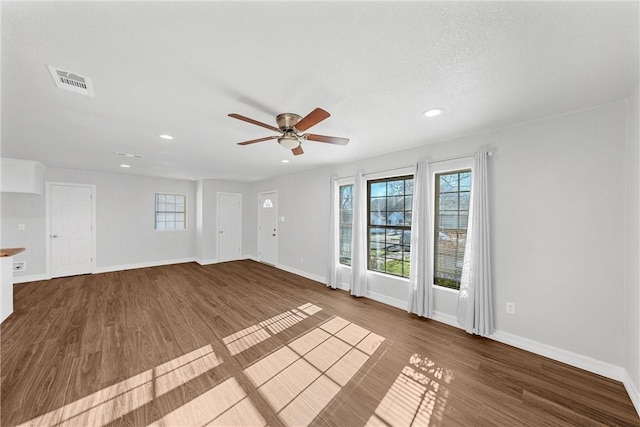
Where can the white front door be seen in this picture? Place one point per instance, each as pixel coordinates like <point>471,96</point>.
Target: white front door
<point>71,229</point>
<point>229,226</point>
<point>267,227</point>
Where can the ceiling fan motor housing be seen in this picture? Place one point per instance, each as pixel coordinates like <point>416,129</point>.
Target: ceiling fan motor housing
<point>287,121</point>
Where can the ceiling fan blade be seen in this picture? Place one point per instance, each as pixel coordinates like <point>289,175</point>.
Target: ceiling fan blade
<point>327,139</point>
<point>253,141</point>
<point>255,122</point>
<point>297,151</point>
<point>311,119</point>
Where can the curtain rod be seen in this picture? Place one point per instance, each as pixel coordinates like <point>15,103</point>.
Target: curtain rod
<point>463,156</point>
<point>446,159</point>
<point>390,170</point>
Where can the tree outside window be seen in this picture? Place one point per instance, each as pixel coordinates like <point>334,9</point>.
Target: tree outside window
<point>346,222</point>
<point>452,195</point>
<point>389,225</point>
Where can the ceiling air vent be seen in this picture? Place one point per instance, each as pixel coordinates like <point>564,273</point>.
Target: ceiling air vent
<point>129,155</point>
<point>71,81</point>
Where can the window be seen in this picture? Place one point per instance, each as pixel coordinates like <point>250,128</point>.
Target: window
<point>171,212</point>
<point>346,222</point>
<point>389,224</point>
<point>452,192</point>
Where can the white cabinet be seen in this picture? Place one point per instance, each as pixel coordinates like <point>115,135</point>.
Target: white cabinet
<point>6,287</point>
<point>21,176</point>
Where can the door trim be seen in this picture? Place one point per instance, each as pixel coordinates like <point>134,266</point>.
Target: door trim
<point>259,257</point>
<point>47,216</point>
<point>218,194</point>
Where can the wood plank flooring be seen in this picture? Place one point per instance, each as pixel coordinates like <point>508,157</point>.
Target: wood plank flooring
<point>242,343</point>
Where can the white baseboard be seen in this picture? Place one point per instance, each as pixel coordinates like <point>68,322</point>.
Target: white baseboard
<point>565,356</point>
<point>30,278</point>
<point>447,319</point>
<point>206,261</point>
<point>305,274</point>
<point>632,390</point>
<point>216,261</point>
<point>345,287</point>
<point>394,302</point>
<point>143,265</point>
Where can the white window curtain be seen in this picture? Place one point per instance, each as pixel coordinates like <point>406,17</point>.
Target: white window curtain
<point>334,224</point>
<point>420,275</point>
<point>359,236</point>
<point>475,300</point>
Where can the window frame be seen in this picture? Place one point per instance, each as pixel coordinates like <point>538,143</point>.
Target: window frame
<point>156,211</point>
<point>443,167</point>
<point>402,175</point>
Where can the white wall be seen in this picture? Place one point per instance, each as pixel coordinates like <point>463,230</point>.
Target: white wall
<point>557,205</point>
<point>125,223</point>
<point>302,237</point>
<point>27,209</point>
<point>207,235</point>
<point>632,250</point>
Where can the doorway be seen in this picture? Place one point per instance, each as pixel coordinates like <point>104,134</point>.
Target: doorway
<point>71,233</point>
<point>268,227</point>
<point>229,207</point>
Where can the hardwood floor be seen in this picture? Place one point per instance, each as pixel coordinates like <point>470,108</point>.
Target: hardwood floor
<point>243,343</point>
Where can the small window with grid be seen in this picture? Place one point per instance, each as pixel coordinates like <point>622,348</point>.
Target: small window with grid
<point>171,212</point>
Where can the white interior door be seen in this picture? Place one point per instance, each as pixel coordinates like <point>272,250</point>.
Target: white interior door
<point>229,226</point>
<point>268,227</point>
<point>71,229</point>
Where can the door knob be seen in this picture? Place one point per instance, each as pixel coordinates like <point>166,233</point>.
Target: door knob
<point>54,236</point>
<point>221,231</point>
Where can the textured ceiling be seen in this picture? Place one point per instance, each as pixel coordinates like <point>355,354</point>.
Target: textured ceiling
<point>180,68</point>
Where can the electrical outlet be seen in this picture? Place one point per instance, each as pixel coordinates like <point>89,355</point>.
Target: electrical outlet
<point>20,266</point>
<point>301,259</point>
<point>21,227</point>
<point>511,308</point>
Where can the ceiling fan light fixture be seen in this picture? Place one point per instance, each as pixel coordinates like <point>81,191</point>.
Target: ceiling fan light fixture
<point>289,142</point>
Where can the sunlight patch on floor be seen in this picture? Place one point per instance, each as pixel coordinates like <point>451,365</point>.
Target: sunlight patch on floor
<point>300,379</point>
<point>224,405</point>
<point>417,397</point>
<point>184,368</point>
<point>255,334</point>
<point>117,400</point>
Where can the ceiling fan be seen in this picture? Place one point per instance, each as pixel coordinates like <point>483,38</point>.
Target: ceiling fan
<point>290,127</point>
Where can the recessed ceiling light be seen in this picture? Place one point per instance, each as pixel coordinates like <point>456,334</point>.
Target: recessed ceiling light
<point>125,166</point>
<point>129,155</point>
<point>433,112</point>
<point>165,136</point>
<point>284,161</point>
